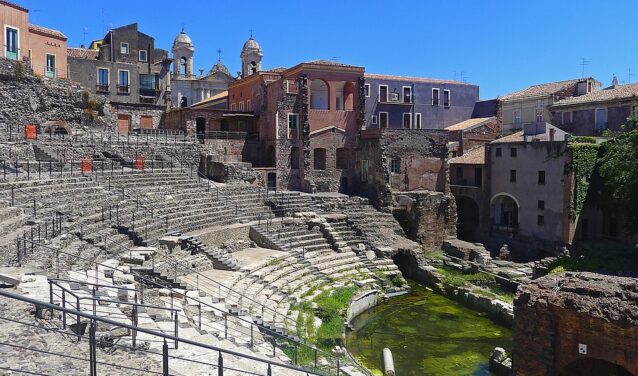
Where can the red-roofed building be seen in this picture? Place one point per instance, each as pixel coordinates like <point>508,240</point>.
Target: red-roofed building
<point>44,48</point>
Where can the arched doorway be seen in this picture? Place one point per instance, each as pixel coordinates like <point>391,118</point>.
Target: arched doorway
<point>467,212</point>
<point>200,128</point>
<point>593,367</point>
<point>319,98</point>
<point>504,212</point>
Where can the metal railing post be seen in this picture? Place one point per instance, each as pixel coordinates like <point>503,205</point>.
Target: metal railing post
<point>220,365</point>
<point>165,358</point>
<point>63,312</point>
<point>176,327</point>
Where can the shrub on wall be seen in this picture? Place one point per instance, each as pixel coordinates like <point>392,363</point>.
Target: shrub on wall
<point>584,157</point>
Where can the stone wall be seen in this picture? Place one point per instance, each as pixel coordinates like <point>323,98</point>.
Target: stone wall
<point>427,217</point>
<point>576,323</point>
<point>26,98</point>
<point>421,156</point>
<point>136,111</point>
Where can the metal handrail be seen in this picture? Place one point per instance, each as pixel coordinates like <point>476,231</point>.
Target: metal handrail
<point>45,305</point>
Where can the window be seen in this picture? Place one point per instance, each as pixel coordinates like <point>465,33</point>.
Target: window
<point>435,97</point>
<point>293,120</point>
<point>383,93</point>
<point>149,82</point>
<point>294,158</point>
<point>601,119</point>
<point>143,55</point>
<point>517,117</point>
<point>342,158</point>
<point>499,152</point>
<point>513,152</point>
<point>319,159</point>
<point>407,120</point>
<point>241,106</point>
<point>383,119</point>
<point>395,166</point>
<point>123,82</point>
<point>513,176</point>
<point>366,90</point>
<point>417,121</point>
<point>567,118</point>
<point>374,119</point>
<point>102,79</point>
<point>540,220</point>
<point>541,204</point>
<point>12,41</point>
<point>364,170</point>
<point>539,115</point>
<point>124,48</point>
<point>459,174</point>
<point>446,98</point>
<point>249,105</point>
<point>50,69</point>
<point>541,177</point>
<point>407,94</point>
<point>233,107</point>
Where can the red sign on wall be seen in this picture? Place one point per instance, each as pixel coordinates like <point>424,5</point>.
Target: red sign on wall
<point>139,162</point>
<point>87,165</point>
<point>30,132</point>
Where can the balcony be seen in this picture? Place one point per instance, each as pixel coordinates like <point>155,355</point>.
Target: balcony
<point>13,55</point>
<point>123,89</point>
<point>102,88</point>
<point>149,92</point>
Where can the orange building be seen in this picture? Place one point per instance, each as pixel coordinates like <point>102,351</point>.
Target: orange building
<point>44,48</point>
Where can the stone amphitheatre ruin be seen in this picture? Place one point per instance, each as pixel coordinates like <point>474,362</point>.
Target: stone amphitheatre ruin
<point>116,252</point>
<point>114,264</point>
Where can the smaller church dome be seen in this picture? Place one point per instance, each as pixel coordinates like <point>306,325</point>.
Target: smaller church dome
<point>219,67</point>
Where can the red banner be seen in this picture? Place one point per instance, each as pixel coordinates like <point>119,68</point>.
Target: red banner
<point>87,165</point>
<point>30,132</point>
<point>139,162</point>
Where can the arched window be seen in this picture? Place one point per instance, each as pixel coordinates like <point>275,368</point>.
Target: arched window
<point>184,103</point>
<point>319,95</point>
<point>182,66</point>
<point>253,67</point>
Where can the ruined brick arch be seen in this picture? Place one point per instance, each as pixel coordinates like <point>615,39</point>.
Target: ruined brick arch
<point>468,218</point>
<point>593,367</point>
<point>319,94</point>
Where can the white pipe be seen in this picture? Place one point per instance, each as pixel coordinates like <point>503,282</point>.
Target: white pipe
<point>388,363</point>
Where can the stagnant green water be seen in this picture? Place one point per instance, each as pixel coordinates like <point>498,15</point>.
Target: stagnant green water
<point>428,334</point>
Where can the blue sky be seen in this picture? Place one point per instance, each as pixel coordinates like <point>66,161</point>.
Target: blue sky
<point>502,46</point>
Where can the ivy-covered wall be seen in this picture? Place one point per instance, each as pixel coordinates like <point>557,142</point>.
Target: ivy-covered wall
<point>583,161</point>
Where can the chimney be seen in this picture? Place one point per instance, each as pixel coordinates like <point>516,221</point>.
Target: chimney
<point>552,131</point>
<point>614,81</point>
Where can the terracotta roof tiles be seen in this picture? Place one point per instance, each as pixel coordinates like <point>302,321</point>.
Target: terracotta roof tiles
<point>542,89</point>
<point>473,156</point>
<point>46,30</point>
<point>614,93</point>
<point>82,53</point>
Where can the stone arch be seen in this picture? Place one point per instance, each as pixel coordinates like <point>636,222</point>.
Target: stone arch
<point>319,95</point>
<point>504,212</point>
<point>468,214</point>
<point>348,96</point>
<point>593,367</point>
<point>183,66</point>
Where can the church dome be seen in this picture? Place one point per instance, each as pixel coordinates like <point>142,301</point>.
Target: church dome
<point>219,67</point>
<point>182,39</point>
<point>251,44</point>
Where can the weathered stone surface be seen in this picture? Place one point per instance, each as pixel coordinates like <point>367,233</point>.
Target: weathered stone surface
<point>557,314</point>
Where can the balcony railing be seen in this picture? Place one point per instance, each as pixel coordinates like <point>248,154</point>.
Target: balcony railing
<point>102,88</point>
<point>123,89</point>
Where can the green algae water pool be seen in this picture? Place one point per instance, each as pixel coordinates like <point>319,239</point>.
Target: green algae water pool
<point>428,334</point>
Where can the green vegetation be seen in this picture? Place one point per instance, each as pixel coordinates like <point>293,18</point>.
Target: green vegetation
<point>480,283</point>
<point>433,254</point>
<point>19,70</point>
<point>275,262</point>
<point>582,165</point>
<point>583,140</point>
<point>618,172</point>
<point>615,260</point>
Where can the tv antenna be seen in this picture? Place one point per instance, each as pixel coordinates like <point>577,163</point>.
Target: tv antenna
<point>629,74</point>
<point>583,64</point>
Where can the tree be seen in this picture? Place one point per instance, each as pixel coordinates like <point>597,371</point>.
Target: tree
<point>618,169</point>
